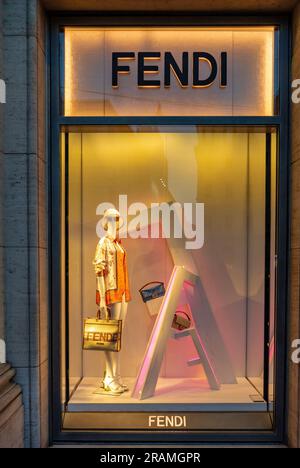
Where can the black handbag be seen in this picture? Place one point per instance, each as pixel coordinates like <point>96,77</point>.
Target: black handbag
<point>149,293</point>
<point>179,322</point>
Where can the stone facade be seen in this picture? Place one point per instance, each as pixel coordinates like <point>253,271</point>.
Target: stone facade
<point>172,5</point>
<point>294,312</point>
<point>23,178</point>
<point>11,410</point>
<point>23,235</point>
<point>1,188</point>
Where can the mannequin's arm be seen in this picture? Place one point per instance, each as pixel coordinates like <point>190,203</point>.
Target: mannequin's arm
<point>101,289</point>
<point>100,265</point>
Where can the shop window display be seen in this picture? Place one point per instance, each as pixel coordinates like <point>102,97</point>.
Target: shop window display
<point>166,232</point>
<point>169,156</point>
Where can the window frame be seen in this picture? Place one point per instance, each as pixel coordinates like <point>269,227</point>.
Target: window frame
<point>280,121</point>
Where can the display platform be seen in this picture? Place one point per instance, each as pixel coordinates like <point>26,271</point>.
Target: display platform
<point>188,394</point>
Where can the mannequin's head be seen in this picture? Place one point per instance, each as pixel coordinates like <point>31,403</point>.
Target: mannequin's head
<point>112,222</point>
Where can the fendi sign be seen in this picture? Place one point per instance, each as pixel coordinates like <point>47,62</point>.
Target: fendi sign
<point>169,71</point>
<point>151,63</point>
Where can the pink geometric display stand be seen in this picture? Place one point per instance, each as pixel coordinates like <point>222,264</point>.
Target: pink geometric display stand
<point>146,380</point>
<point>202,356</point>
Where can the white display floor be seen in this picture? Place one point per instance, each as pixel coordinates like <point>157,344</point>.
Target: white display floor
<point>184,394</point>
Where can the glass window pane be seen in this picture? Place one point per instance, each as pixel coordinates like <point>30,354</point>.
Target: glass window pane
<point>193,206</point>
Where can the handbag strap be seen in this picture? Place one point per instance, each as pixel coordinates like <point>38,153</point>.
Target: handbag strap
<point>108,315</point>
<point>182,312</point>
<point>159,283</point>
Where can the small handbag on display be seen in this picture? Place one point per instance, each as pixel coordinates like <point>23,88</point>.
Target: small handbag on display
<point>179,322</point>
<point>153,292</point>
<point>102,334</point>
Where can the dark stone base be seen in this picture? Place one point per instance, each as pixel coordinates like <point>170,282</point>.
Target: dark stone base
<point>11,410</point>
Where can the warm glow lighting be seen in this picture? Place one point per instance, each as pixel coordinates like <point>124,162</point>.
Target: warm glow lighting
<point>88,74</point>
<point>68,73</point>
<point>269,73</point>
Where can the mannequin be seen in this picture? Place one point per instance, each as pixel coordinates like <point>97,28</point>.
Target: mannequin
<point>112,295</point>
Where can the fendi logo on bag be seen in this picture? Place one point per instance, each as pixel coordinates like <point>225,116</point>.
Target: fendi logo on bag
<point>102,337</point>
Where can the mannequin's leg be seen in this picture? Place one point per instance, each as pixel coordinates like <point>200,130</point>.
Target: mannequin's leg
<point>111,357</point>
<point>108,364</point>
<point>123,314</point>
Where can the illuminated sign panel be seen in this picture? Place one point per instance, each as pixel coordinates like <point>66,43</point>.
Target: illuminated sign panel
<point>166,72</point>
